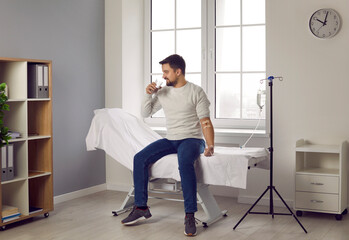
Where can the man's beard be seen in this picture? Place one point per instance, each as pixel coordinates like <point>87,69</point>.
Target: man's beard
<point>171,84</point>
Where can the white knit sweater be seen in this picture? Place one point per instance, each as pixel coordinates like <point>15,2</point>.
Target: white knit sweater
<point>183,108</point>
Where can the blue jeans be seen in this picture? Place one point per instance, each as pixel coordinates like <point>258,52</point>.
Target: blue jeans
<point>188,151</point>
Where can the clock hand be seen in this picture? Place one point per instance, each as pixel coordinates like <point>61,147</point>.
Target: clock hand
<point>321,22</point>
<point>325,18</point>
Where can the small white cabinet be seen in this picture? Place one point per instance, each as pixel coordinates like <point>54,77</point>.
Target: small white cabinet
<point>321,178</point>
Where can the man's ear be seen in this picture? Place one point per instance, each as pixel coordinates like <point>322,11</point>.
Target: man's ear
<point>178,71</point>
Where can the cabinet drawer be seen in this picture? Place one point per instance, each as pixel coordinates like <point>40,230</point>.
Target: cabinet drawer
<point>317,201</point>
<point>320,184</point>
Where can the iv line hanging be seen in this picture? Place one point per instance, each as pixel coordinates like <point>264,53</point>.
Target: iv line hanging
<point>261,98</point>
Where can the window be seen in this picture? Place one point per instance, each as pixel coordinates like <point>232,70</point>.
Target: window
<point>223,44</point>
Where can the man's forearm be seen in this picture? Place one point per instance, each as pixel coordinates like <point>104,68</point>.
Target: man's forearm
<point>146,108</point>
<point>208,131</point>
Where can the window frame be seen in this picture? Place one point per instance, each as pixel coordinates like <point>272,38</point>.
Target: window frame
<point>208,71</point>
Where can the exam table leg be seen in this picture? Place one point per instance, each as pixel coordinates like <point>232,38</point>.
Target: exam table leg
<point>127,204</point>
<point>209,205</point>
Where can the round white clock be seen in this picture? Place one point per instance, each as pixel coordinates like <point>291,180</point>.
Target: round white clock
<point>325,23</point>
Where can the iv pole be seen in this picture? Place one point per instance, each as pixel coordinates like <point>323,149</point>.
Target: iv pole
<point>271,187</point>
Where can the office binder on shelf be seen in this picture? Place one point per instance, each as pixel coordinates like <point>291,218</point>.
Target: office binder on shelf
<point>3,163</point>
<point>45,74</point>
<point>35,81</point>
<point>10,162</point>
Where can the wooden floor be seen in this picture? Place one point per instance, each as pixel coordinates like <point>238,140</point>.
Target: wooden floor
<point>90,217</point>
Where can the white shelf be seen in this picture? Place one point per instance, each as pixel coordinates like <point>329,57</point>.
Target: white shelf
<point>36,174</point>
<point>32,137</point>
<point>35,137</point>
<point>319,148</point>
<point>17,179</point>
<point>38,99</point>
<point>13,140</point>
<point>17,100</point>
<point>319,171</point>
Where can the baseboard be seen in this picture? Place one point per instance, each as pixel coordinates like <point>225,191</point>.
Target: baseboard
<point>79,193</point>
<point>264,201</point>
<point>119,187</point>
<point>224,191</point>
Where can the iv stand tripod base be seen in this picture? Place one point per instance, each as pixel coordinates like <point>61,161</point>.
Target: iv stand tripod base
<point>271,187</point>
<point>271,210</point>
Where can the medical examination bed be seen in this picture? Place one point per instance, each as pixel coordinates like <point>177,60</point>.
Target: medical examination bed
<point>121,135</point>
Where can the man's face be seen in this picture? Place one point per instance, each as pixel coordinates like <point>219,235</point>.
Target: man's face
<point>170,75</point>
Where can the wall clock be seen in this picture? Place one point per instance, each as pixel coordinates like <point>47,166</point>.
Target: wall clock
<point>325,23</point>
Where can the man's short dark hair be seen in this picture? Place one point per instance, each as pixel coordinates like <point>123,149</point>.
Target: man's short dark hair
<point>175,62</point>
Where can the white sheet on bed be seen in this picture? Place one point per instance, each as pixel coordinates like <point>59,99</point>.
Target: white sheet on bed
<point>121,135</point>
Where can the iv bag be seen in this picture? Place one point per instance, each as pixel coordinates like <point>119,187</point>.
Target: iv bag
<point>261,97</point>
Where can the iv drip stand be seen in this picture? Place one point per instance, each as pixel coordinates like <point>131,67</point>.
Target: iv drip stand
<point>271,188</point>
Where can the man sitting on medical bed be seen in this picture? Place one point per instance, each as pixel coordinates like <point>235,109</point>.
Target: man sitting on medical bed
<point>186,109</point>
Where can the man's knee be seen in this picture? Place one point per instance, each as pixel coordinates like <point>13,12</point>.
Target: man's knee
<point>186,164</point>
<point>188,157</point>
<point>138,158</point>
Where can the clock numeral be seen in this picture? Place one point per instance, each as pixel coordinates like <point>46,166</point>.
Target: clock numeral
<point>329,33</point>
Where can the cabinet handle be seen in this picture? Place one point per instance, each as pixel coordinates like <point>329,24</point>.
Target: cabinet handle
<point>316,201</point>
<point>318,184</point>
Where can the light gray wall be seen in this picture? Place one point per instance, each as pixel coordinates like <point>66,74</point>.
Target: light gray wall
<point>71,34</point>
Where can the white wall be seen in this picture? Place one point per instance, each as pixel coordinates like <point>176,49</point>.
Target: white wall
<point>311,101</point>
<point>124,71</point>
<point>113,56</point>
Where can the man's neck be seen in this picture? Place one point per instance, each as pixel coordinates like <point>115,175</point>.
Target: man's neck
<point>181,82</point>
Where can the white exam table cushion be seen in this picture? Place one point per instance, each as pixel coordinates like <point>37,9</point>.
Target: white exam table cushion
<point>121,135</point>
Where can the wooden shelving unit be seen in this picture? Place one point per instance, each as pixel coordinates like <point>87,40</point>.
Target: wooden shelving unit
<point>32,185</point>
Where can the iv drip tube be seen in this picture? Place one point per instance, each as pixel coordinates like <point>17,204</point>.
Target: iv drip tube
<point>254,130</point>
<point>261,105</point>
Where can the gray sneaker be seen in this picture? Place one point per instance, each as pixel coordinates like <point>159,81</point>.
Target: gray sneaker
<point>136,215</point>
<point>190,225</point>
